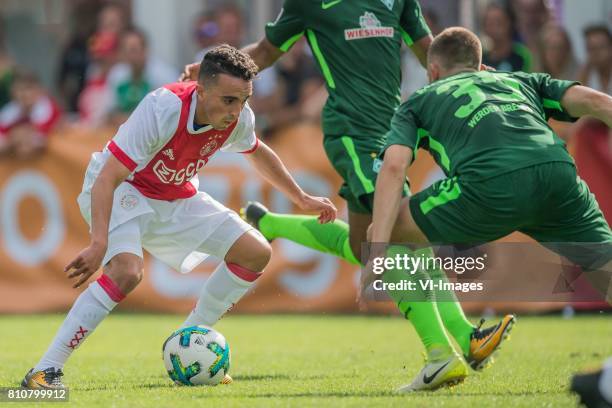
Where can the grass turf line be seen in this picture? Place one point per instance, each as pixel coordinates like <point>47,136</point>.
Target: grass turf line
<point>307,361</point>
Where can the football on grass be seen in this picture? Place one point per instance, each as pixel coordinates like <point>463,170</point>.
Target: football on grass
<point>196,355</point>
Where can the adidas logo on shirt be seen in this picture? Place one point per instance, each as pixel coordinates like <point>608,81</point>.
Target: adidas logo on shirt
<point>169,153</point>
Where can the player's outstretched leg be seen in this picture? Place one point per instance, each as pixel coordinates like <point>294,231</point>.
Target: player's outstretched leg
<point>331,238</point>
<point>443,365</point>
<point>121,275</point>
<point>477,345</point>
<point>233,278</point>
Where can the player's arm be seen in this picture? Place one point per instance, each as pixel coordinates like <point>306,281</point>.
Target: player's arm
<point>272,169</point>
<point>89,259</point>
<point>263,53</point>
<point>388,191</point>
<point>580,100</point>
<point>420,48</point>
<point>415,32</point>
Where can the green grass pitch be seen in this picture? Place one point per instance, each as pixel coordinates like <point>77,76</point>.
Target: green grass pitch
<point>303,361</point>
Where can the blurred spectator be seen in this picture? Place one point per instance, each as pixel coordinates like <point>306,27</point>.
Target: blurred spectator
<point>137,74</point>
<point>598,68</point>
<point>501,51</point>
<point>25,122</point>
<point>95,97</point>
<point>299,94</point>
<point>75,58</point>
<point>7,71</point>
<point>224,25</point>
<point>592,139</point>
<point>531,17</point>
<point>230,21</point>
<point>205,32</point>
<point>557,54</point>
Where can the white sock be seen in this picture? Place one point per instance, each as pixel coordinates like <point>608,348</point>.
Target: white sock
<point>90,308</point>
<point>227,284</point>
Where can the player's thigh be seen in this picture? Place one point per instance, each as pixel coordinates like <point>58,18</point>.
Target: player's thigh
<point>353,159</point>
<point>251,250</point>
<point>572,223</point>
<point>451,212</point>
<point>123,259</point>
<point>358,229</point>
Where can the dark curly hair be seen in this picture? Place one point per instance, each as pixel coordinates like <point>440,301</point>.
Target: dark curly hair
<point>226,59</point>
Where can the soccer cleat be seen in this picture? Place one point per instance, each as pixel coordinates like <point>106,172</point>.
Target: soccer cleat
<point>227,379</point>
<point>253,212</point>
<point>485,342</point>
<point>436,374</point>
<point>47,378</point>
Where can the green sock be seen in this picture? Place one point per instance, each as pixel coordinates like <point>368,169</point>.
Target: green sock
<point>419,307</point>
<point>331,238</point>
<point>450,309</point>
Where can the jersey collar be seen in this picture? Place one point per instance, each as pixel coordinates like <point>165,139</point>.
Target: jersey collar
<point>191,117</point>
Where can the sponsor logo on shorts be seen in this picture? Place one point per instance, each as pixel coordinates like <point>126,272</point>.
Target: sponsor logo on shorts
<point>129,201</point>
<point>370,27</point>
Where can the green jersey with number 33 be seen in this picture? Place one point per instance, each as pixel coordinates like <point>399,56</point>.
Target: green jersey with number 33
<point>481,124</point>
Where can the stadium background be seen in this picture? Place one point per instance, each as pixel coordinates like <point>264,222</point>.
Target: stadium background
<point>83,52</point>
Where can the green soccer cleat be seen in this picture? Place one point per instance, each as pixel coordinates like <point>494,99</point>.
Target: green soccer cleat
<point>437,374</point>
<point>49,378</point>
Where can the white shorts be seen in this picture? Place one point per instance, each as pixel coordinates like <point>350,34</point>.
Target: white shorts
<point>181,233</point>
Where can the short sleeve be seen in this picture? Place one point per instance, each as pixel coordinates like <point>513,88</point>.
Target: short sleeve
<point>412,23</point>
<point>147,130</point>
<point>404,129</point>
<point>551,92</point>
<point>288,26</point>
<point>243,138</point>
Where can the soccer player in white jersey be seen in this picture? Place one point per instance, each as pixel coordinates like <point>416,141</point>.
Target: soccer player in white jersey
<point>141,191</point>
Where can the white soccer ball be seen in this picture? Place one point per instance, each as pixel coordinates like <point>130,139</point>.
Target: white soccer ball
<point>196,355</point>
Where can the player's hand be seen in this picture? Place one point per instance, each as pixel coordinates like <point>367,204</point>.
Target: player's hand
<point>484,67</point>
<point>190,73</point>
<point>327,210</point>
<point>86,263</point>
<point>367,277</point>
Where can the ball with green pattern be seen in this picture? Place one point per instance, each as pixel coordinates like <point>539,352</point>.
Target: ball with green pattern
<point>196,355</point>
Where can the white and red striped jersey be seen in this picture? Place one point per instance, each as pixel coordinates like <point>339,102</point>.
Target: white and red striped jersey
<point>161,148</point>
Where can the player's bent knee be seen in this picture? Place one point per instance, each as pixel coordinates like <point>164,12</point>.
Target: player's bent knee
<point>251,251</point>
<point>126,270</point>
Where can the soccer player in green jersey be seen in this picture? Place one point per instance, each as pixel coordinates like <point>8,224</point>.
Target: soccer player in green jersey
<point>356,44</point>
<point>506,170</point>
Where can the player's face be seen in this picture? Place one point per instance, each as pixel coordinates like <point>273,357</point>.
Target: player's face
<point>224,99</point>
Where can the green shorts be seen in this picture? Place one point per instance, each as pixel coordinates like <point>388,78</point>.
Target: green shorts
<point>354,161</point>
<point>547,202</point>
